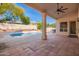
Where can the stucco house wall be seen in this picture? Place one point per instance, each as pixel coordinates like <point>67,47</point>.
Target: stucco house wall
<point>67,18</point>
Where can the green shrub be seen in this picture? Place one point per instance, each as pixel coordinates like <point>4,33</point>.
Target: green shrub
<point>25,19</point>
<point>39,25</point>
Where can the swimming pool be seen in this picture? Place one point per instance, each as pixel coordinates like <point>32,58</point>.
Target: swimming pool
<point>15,34</point>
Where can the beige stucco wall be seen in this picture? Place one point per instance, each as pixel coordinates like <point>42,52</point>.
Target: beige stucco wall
<point>17,26</point>
<point>67,18</point>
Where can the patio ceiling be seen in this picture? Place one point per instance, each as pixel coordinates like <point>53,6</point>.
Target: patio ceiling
<point>52,7</point>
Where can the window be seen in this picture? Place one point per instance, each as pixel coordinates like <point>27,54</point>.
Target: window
<point>63,27</point>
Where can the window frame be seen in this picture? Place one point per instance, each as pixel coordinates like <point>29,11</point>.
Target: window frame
<point>63,26</point>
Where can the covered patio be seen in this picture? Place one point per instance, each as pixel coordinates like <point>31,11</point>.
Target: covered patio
<point>65,16</point>
<point>47,44</point>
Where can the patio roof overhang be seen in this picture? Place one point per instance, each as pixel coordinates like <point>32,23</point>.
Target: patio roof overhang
<point>50,8</point>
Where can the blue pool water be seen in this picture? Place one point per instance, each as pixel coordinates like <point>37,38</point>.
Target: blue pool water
<point>14,34</point>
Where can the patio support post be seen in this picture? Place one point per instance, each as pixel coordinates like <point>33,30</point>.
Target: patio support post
<point>78,22</point>
<point>78,10</point>
<point>44,36</point>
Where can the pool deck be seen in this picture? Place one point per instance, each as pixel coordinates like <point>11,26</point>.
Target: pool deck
<point>56,45</point>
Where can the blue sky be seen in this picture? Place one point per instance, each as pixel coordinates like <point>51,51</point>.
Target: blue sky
<point>34,15</point>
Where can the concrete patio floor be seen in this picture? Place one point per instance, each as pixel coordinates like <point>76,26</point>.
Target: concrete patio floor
<point>56,45</point>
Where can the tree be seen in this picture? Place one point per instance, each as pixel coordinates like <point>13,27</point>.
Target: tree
<point>52,25</point>
<point>3,21</point>
<point>11,7</point>
<point>39,25</point>
<point>15,10</point>
<point>25,19</point>
<point>18,11</point>
<point>47,25</point>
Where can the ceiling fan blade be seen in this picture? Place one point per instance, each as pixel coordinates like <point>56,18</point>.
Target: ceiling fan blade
<point>65,9</point>
<point>62,11</point>
<point>61,7</point>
